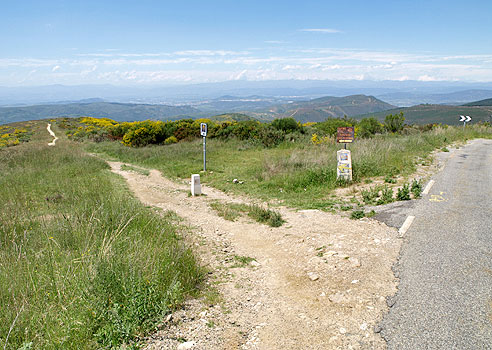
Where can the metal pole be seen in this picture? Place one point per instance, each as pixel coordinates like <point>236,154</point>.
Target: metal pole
<point>204,153</point>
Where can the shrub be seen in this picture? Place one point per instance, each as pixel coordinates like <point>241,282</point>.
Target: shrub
<point>370,196</point>
<point>270,217</point>
<point>386,196</point>
<point>170,140</point>
<point>270,137</point>
<point>394,122</point>
<point>389,179</point>
<point>403,193</point>
<point>416,189</point>
<point>316,140</point>
<point>369,127</point>
<point>330,125</point>
<point>287,125</point>
<point>357,214</point>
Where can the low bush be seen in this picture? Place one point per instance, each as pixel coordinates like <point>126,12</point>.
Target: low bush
<point>287,125</point>
<point>357,214</point>
<point>416,188</point>
<point>267,216</point>
<point>386,196</point>
<point>403,193</point>
<point>329,126</point>
<point>369,127</point>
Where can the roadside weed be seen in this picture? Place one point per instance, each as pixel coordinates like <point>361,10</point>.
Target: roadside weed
<point>416,188</point>
<point>403,193</point>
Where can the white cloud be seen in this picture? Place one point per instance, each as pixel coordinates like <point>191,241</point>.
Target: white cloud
<point>427,78</point>
<point>321,30</point>
<point>219,65</point>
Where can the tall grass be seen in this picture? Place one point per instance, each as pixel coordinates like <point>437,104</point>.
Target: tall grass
<point>298,173</point>
<point>83,265</point>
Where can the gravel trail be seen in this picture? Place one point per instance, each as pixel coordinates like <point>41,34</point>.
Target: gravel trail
<point>320,281</point>
<point>52,143</point>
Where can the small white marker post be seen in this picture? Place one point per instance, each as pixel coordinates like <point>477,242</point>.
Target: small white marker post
<point>203,132</point>
<point>196,187</point>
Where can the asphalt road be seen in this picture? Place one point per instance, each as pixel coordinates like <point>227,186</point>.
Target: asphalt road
<point>444,299</point>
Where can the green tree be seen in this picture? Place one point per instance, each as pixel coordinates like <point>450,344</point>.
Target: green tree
<point>369,126</point>
<point>286,125</point>
<point>394,122</point>
<point>330,125</point>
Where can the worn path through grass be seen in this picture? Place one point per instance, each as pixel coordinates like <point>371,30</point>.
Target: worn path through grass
<point>317,282</point>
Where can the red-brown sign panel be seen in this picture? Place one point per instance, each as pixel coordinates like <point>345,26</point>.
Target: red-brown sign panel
<point>345,134</point>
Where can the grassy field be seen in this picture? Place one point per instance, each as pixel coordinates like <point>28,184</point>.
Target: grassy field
<point>298,174</point>
<point>83,265</point>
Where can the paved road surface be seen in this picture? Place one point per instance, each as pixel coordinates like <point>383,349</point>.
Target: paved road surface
<point>444,299</point>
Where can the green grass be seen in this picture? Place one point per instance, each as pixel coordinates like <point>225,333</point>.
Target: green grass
<point>140,171</point>
<point>241,261</point>
<point>83,265</point>
<point>357,214</point>
<point>231,211</point>
<point>299,174</point>
<point>266,216</point>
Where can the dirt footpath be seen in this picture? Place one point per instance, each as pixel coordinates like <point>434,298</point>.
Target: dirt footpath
<point>320,281</point>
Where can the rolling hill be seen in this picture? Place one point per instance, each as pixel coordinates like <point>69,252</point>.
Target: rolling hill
<point>427,114</point>
<point>319,109</point>
<point>486,102</point>
<point>231,117</point>
<point>116,111</point>
<point>411,98</point>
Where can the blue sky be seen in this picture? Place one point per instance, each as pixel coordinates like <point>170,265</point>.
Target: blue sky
<point>162,42</point>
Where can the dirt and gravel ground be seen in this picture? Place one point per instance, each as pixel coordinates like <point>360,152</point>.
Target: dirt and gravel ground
<point>320,281</point>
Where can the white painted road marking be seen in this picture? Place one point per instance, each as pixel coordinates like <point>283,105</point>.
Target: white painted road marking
<point>406,225</point>
<point>428,187</point>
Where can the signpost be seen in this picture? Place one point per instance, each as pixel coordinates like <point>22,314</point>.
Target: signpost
<point>465,119</point>
<point>203,132</point>
<point>344,159</point>
<point>345,135</point>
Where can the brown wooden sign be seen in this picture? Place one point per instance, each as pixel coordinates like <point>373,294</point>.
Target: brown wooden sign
<point>345,134</point>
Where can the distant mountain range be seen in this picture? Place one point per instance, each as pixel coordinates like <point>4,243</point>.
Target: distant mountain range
<point>398,93</point>
<point>313,110</point>
<point>319,109</point>
<point>409,98</point>
<point>487,102</point>
<point>117,111</point>
<point>428,113</point>
<point>258,107</point>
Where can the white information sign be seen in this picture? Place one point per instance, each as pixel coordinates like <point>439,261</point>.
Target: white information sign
<point>203,129</point>
<point>344,166</point>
